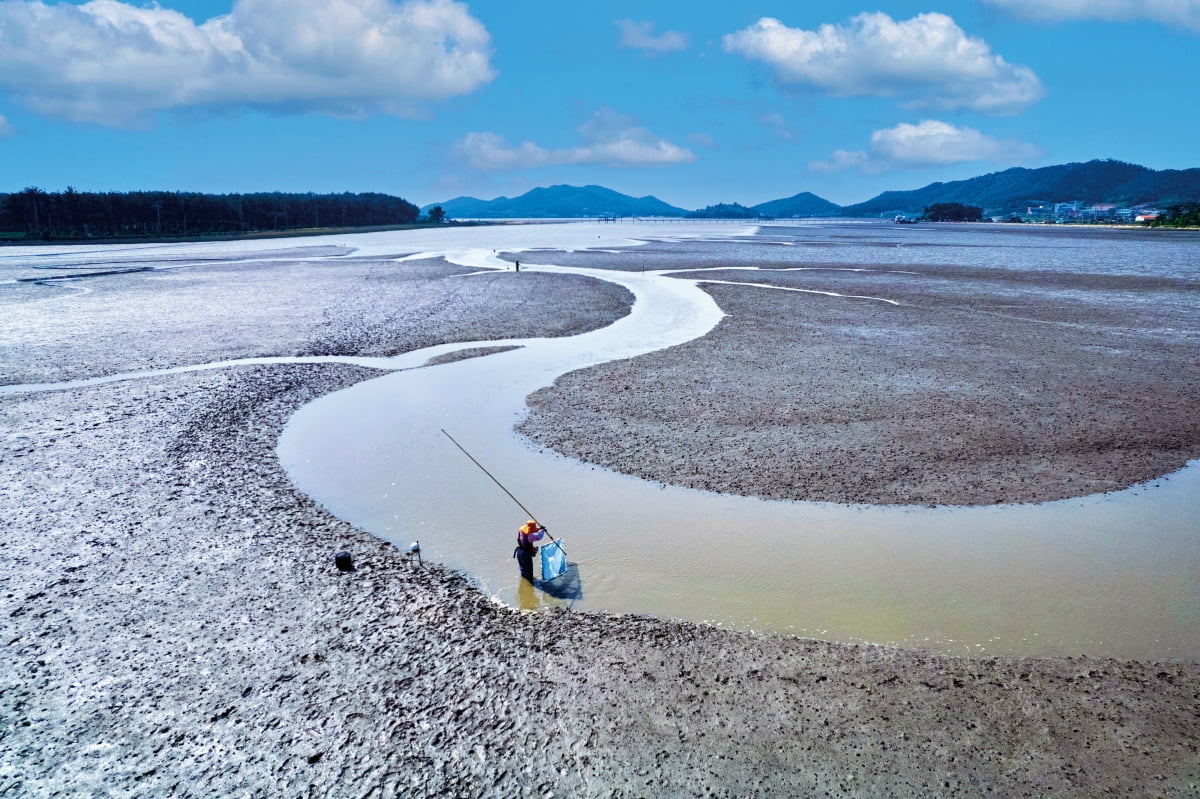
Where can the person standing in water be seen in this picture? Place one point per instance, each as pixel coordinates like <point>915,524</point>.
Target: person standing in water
<point>529,533</point>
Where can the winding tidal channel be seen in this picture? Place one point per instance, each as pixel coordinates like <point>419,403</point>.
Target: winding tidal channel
<point>1106,575</point>
<point>1113,574</point>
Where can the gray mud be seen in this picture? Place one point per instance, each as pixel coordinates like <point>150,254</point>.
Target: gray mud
<point>171,624</point>
<point>157,320</point>
<point>982,386</point>
<point>462,355</point>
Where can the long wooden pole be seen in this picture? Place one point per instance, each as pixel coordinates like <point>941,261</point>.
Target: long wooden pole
<point>528,512</point>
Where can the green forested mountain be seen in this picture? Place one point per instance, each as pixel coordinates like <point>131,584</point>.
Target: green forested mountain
<point>803,204</point>
<point>999,192</point>
<point>1091,182</point>
<point>558,202</point>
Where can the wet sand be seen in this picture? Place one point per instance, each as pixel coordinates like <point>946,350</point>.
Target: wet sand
<point>173,624</point>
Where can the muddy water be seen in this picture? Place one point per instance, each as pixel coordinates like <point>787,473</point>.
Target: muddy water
<point>1115,575</point>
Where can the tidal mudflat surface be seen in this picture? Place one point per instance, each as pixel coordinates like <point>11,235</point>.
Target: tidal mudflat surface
<point>1006,365</point>
<point>942,467</point>
<point>173,623</point>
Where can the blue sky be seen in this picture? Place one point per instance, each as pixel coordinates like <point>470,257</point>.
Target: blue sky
<point>694,102</point>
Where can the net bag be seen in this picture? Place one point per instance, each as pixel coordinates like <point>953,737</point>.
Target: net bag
<point>554,560</point>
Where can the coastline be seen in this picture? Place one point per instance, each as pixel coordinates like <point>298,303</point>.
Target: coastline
<point>175,625</point>
<point>249,235</point>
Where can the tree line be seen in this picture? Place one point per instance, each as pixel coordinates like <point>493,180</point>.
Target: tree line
<point>1185,215</point>
<point>725,211</point>
<point>953,212</point>
<point>34,214</point>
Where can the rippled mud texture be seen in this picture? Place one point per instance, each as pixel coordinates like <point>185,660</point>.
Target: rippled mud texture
<point>178,317</point>
<point>981,386</point>
<point>173,624</point>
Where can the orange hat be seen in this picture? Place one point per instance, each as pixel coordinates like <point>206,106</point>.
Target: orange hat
<point>530,526</point>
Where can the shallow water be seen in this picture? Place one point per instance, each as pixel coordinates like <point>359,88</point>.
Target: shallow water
<point>1115,575</point>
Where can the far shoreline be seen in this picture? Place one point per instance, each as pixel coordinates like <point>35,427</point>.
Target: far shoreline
<point>257,235</point>
<point>267,235</point>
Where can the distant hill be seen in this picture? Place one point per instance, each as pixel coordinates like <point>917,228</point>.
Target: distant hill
<point>799,205</point>
<point>997,193</point>
<point>725,211</point>
<point>1091,182</point>
<point>557,202</point>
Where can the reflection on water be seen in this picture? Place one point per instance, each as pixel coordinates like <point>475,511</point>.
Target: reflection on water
<point>567,586</point>
<point>561,591</point>
<point>528,597</point>
<point>1113,574</point>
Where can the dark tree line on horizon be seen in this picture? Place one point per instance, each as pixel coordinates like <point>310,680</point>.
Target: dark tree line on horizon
<point>725,211</point>
<point>33,214</point>
<point>953,212</point>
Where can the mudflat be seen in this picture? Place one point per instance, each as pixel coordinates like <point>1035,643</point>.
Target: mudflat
<point>174,624</point>
<point>923,384</point>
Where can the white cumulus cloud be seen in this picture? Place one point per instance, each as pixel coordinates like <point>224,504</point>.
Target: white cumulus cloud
<point>114,63</point>
<point>1175,13</point>
<point>641,36</point>
<point>929,143</point>
<point>608,138</point>
<point>934,143</point>
<point>484,150</point>
<point>928,61</point>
